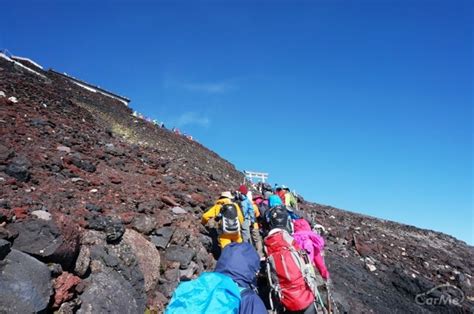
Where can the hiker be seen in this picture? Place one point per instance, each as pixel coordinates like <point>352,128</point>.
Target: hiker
<point>312,243</point>
<point>247,212</point>
<point>241,263</point>
<point>290,199</point>
<point>255,231</point>
<point>229,289</point>
<point>263,207</point>
<point>229,218</point>
<point>265,187</point>
<point>262,203</point>
<point>294,213</point>
<point>281,193</point>
<point>290,273</point>
<point>274,200</point>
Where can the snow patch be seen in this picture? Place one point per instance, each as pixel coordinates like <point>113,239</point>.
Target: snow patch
<point>28,60</point>
<point>4,56</point>
<point>90,89</point>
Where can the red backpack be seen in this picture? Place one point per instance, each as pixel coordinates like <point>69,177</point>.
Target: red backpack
<point>290,272</point>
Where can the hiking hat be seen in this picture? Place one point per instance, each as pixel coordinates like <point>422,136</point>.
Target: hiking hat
<point>243,189</point>
<point>226,194</point>
<point>284,187</point>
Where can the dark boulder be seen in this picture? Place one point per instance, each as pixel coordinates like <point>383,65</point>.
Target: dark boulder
<point>25,284</point>
<point>143,224</point>
<point>81,163</point>
<point>19,168</point>
<point>96,222</point>
<point>162,237</point>
<point>179,254</point>
<point>37,237</point>
<point>4,248</point>
<point>5,153</point>
<point>109,292</point>
<point>93,208</point>
<point>150,206</point>
<point>113,150</point>
<point>120,257</point>
<point>114,230</point>
<point>8,235</point>
<point>45,241</point>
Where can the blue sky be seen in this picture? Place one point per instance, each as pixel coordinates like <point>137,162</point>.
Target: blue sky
<point>365,106</point>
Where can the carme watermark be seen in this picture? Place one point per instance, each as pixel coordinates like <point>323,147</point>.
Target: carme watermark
<point>441,295</point>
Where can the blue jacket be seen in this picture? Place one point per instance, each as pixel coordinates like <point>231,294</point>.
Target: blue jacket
<point>241,262</point>
<point>247,209</point>
<point>274,200</point>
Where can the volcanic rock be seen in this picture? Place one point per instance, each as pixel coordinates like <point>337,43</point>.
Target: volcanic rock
<point>5,153</point>
<point>114,230</point>
<point>108,292</point>
<point>143,224</point>
<point>147,256</point>
<point>179,254</point>
<point>44,240</point>
<point>41,214</point>
<point>93,208</point>
<point>178,210</point>
<point>169,201</point>
<point>4,248</point>
<point>18,168</point>
<point>64,288</point>
<point>25,284</point>
<point>162,237</point>
<point>83,260</point>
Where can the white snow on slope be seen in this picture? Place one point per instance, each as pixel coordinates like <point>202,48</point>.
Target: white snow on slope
<point>4,56</point>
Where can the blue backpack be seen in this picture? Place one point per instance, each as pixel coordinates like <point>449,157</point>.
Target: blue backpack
<point>209,293</point>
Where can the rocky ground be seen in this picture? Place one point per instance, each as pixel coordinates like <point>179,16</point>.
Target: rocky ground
<point>99,211</point>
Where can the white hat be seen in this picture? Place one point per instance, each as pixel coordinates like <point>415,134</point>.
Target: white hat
<point>226,194</point>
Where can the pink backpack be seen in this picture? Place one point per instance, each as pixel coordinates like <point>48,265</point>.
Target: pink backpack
<point>308,240</point>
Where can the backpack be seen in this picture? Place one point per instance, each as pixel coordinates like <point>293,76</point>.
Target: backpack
<point>292,214</point>
<point>230,223</point>
<point>311,242</point>
<point>290,272</point>
<point>266,187</point>
<point>262,208</point>
<point>209,293</point>
<point>279,217</point>
<point>307,239</point>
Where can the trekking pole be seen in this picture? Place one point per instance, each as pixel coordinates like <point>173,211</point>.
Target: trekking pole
<point>329,300</point>
<point>296,199</point>
<point>320,300</point>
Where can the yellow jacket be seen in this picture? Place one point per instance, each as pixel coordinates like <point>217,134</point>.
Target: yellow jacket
<point>214,211</point>
<point>257,214</point>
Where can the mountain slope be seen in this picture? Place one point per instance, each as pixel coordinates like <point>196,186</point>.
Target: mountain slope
<point>114,184</point>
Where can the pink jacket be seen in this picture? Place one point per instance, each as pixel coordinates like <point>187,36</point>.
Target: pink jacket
<point>311,243</point>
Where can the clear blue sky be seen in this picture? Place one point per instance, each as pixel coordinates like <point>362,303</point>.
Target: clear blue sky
<point>362,105</point>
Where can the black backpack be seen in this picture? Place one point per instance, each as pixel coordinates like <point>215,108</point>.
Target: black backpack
<point>230,223</point>
<point>278,217</point>
<point>266,187</point>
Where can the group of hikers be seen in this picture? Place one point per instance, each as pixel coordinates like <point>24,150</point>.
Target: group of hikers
<point>268,261</point>
<point>159,124</point>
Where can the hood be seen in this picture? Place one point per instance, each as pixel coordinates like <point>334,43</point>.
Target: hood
<point>301,225</point>
<point>240,262</point>
<point>274,200</point>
